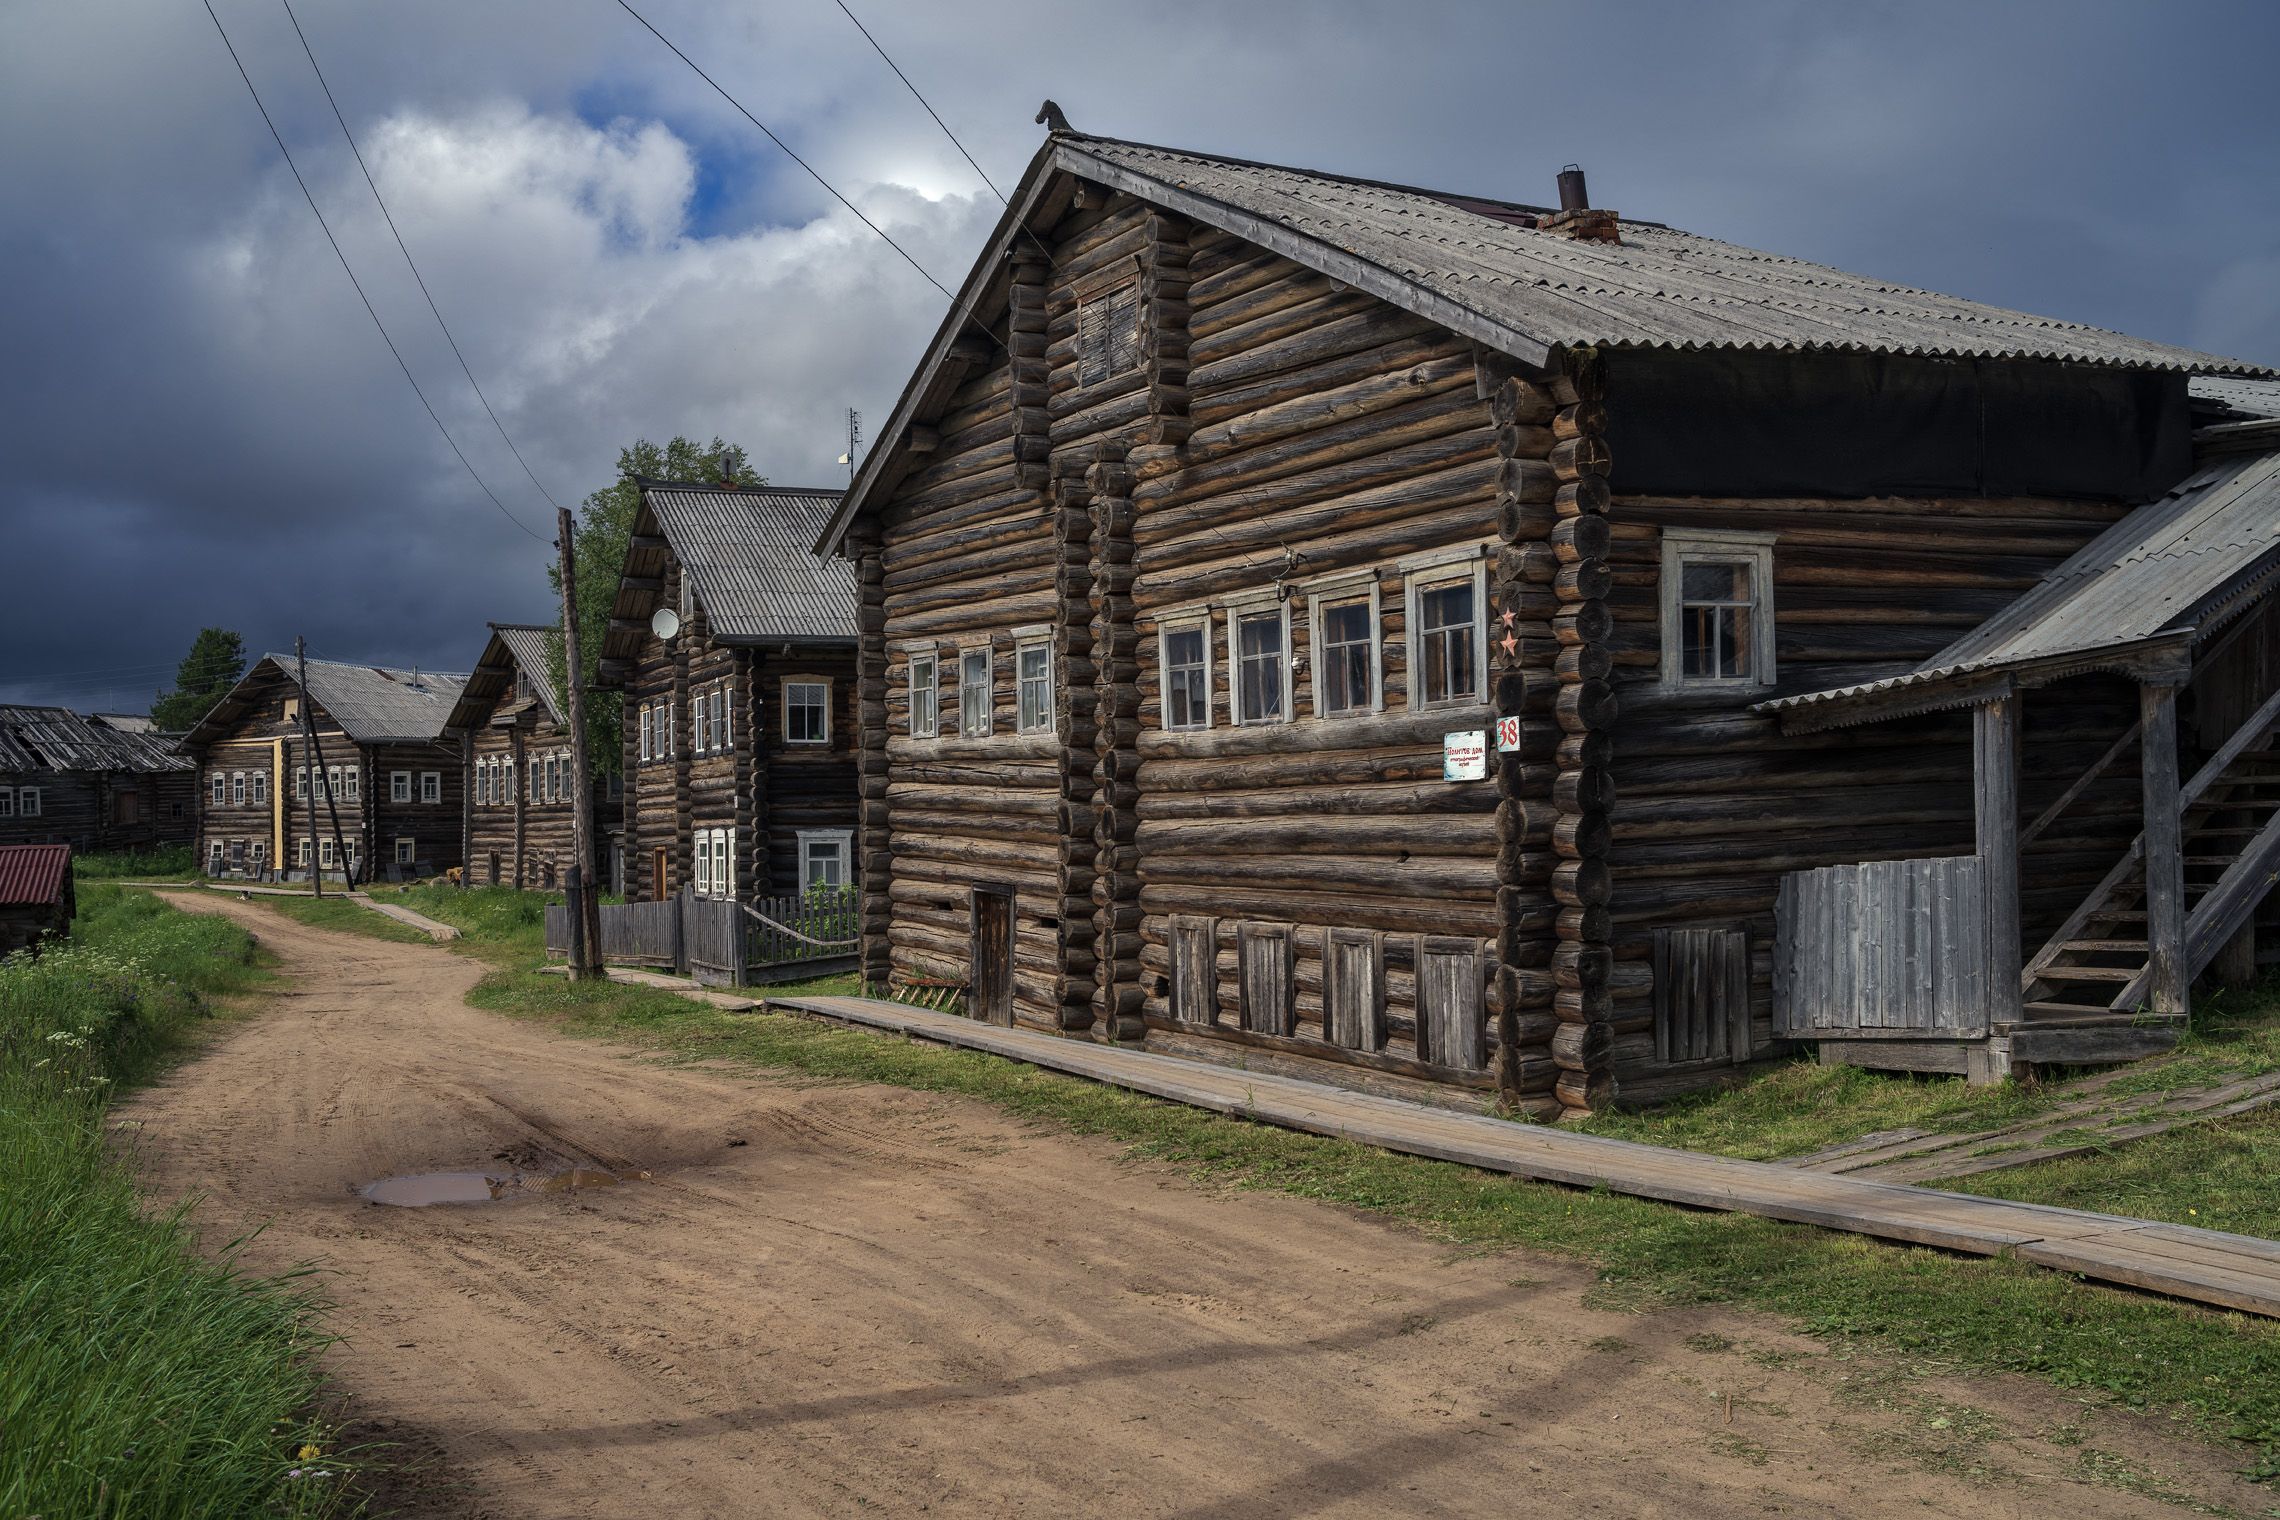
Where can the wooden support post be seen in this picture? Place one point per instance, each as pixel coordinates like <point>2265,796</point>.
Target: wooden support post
<point>585,933</point>
<point>2166,974</point>
<point>311,761</point>
<point>1995,812</point>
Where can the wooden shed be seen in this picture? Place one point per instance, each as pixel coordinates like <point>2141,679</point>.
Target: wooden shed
<point>735,649</point>
<point>94,782</point>
<point>382,772</point>
<point>519,784</point>
<point>37,900</point>
<point>1331,625</point>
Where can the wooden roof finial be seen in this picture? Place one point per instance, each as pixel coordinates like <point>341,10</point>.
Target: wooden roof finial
<point>1050,117</point>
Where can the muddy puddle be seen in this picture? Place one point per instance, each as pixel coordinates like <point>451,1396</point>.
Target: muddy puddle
<point>426,1189</point>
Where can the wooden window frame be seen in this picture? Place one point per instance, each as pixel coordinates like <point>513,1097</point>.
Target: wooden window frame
<point>328,858</point>
<point>257,788</point>
<point>1242,609</point>
<point>1026,640</point>
<point>431,781</point>
<point>1716,546</point>
<point>931,658</point>
<point>407,850</point>
<point>7,802</point>
<point>399,787</point>
<point>1425,572</point>
<point>237,789</point>
<point>842,839</point>
<point>218,789</point>
<point>1337,591</point>
<point>784,696</point>
<point>987,686</point>
<point>642,725</point>
<point>216,855</point>
<point>701,864</point>
<point>256,852</point>
<point>1197,622</point>
<point>29,802</point>
<point>1098,296</point>
<point>292,709</point>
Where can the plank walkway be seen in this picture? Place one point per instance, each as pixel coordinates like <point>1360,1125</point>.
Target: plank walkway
<point>727,1002</point>
<point>2204,1266</point>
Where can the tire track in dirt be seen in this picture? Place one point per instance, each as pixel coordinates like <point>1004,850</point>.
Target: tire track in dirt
<point>895,1301</point>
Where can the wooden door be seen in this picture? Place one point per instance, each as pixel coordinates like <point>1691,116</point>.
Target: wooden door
<point>1353,988</point>
<point>1451,1014</point>
<point>657,874</point>
<point>990,983</point>
<point>1195,970</point>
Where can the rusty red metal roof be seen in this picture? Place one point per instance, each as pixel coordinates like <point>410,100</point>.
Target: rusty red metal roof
<point>32,875</point>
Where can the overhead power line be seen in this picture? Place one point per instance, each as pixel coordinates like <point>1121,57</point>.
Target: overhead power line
<point>921,99</point>
<point>353,280</point>
<point>982,326</point>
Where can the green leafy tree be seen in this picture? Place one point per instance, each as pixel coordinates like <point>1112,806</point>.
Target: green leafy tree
<point>603,524</point>
<point>205,676</point>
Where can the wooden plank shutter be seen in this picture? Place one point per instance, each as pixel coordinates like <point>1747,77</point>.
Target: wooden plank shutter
<point>1195,970</point>
<point>1702,995</point>
<point>1266,979</point>
<point>1451,1013</point>
<point>1353,988</point>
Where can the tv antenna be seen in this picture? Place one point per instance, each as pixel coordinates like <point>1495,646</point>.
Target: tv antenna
<point>854,442</point>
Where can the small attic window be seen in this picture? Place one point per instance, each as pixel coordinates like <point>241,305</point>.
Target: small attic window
<point>1108,333</point>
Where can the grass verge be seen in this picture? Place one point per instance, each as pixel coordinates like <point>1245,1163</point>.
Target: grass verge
<point>140,1378</point>
<point>335,912</point>
<point>2218,1373</point>
<point>178,862</point>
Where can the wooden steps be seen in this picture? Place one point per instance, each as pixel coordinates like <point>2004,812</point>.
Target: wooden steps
<point>2205,1266</point>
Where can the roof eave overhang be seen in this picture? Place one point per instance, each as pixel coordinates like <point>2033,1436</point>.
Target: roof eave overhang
<point>2165,657</point>
<point>1068,155</point>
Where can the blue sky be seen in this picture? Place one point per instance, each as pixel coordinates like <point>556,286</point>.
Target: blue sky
<point>202,427</point>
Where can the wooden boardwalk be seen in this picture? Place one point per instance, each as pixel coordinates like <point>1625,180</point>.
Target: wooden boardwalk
<point>2205,1266</point>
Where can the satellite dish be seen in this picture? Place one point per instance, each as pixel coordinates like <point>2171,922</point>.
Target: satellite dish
<point>665,622</point>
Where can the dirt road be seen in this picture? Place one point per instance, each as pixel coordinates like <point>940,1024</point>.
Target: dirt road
<point>831,1299</point>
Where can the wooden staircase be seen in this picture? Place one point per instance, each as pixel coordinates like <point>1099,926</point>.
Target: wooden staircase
<point>2094,971</point>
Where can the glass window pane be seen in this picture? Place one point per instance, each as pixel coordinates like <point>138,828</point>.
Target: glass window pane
<point>1259,656</point>
<point>1450,669</point>
<point>1728,582</point>
<point>1346,647</point>
<point>1187,692</point>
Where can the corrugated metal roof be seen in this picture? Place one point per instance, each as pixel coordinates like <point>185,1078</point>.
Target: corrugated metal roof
<point>2231,398</point>
<point>58,739</point>
<point>1658,288</point>
<point>32,875</point>
<point>374,704</point>
<point>746,550</point>
<point>510,646</point>
<point>2155,572</point>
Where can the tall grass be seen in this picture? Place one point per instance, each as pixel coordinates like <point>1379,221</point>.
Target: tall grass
<point>173,862</point>
<point>136,1377</point>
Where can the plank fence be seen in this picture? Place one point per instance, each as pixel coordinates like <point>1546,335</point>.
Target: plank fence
<point>722,942</point>
<point>1891,948</point>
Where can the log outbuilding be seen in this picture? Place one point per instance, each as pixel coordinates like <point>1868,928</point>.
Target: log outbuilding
<point>95,782</point>
<point>1342,626</point>
<point>365,745</point>
<point>735,649</point>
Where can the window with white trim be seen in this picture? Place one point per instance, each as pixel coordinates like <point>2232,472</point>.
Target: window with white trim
<point>405,849</point>
<point>825,857</point>
<point>301,851</point>
<point>431,786</point>
<point>257,788</point>
<point>1259,641</point>
<point>399,786</point>
<point>349,775</point>
<point>923,681</point>
<point>213,857</point>
<point>328,858</point>
<point>977,706</point>
<point>301,784</point>
<point>28,802</point>
<point>1447,601</point>
<point>218,789</point>
<point>338,782</point>
<point>7,802</point>
<point>1033,686</point>
<point>644,727</point>
<point>807,712</point>
<point>1343,623</point>
<point>703,862</point>
<point>1183,653</point>
<point>1717,608</point>
<point>237,788</point>
<point>258,854</point>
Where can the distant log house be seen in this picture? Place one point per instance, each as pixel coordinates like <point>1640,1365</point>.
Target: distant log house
<point>514,729</point>
<point>385,776</point>
<point>95,782</point>
<point>1343,627</point>
<point>735,650</point>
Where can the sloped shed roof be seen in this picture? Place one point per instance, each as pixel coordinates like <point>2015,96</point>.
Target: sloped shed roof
<point>33,875</point>
<point>747,551</point>
<point>2174,566</point>
<point>511,646</point>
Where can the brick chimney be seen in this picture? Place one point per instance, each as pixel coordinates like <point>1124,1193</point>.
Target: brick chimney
<point>1576,217</point>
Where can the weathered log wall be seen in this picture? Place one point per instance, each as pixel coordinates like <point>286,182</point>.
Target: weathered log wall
<point>1715,804</point>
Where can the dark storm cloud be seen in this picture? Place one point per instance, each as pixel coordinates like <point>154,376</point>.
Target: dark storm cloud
<point>200,425</point>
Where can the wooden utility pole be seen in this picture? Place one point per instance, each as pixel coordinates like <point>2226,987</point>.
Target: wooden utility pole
<point>312,763</point>
<point>585,911</point>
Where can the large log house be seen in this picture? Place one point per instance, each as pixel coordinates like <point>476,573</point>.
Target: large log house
<point>385,774</point>
<point>512,725</point>
<point>95,782</point>
<point>735,649</point>
<point>1237,510</point>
